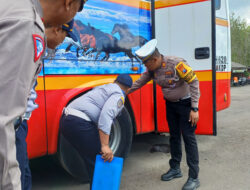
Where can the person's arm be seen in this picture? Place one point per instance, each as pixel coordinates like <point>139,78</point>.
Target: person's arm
<point>106,152</point>
<point>195,95</point>
<point>31,105</point>
<point>110,110</point>
<point>185,72</point>
<point>140,82</point>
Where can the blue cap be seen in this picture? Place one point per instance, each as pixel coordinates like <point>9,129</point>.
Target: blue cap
<point>124,79</point>
<point>69,29</point>
<point>82,4</point>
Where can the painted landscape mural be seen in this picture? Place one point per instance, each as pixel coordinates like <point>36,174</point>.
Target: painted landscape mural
<point>107,36</point>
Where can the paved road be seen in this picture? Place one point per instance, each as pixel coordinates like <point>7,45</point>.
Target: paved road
<point>224,159</point>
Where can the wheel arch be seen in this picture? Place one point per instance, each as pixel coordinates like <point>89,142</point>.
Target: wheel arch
<point>70,95</point>
<point>131,114</point>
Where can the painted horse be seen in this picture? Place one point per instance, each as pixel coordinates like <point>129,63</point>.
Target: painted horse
<point>97,41</point>
<point>127,39</point>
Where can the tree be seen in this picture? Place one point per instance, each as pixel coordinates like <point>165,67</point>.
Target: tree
<point>240,40</point>
<point>246,74</point>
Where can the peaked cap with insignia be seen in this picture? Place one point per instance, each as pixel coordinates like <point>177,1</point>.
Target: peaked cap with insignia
<point>147,50</point>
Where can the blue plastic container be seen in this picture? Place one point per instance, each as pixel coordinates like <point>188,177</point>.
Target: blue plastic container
<point>107,175</point>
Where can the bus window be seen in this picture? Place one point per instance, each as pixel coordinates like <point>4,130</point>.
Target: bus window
<point>217,4</point>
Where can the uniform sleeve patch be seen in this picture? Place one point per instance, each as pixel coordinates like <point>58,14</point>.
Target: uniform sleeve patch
<point>185,72</point>
<point>120,102</point>
<point>38,46</point>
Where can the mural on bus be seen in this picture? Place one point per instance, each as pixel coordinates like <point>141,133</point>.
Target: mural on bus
<point>107,36</point>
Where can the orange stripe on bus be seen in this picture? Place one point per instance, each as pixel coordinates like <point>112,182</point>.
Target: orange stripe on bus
<point>171,3</point>
<point>133,3</point>
<point>207,75</point>
<point>223,75</point>
<point>58,82</point>
<point>222,22</point>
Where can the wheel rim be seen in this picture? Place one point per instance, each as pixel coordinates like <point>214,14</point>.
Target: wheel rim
<point>115,136</point>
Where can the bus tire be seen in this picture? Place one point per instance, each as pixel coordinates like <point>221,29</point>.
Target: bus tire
<point>121,138</point>
<point>121,135</point>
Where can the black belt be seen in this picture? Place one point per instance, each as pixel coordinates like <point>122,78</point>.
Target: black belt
<point>181,99</point>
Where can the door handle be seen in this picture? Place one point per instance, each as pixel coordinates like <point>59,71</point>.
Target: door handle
<point>202,53</point>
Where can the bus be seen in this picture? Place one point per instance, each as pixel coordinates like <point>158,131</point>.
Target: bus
<point>108,33</point>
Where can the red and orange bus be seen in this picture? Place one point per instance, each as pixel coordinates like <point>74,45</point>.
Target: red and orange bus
<point>108,33</point>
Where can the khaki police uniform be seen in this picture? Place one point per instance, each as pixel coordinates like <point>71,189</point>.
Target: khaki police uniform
<point>180,88</point>
<point>176,78</point>
<point>22,45</point>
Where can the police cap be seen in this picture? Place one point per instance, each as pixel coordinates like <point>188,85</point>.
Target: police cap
<point>69,29</point>
<point>124,79</point>
<point>147,50</point>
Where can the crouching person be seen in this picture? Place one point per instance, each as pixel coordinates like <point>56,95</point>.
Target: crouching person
<point>86,121</point>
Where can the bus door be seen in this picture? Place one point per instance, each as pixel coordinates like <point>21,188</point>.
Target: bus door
<point>223,55</point>
<point>184,29</point>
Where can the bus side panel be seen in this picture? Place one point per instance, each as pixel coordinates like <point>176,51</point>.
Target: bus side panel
<point>223,94</point>
<point>147,108</point>
<point>205,123</point>
<point>55,102</point>
<point>142,103</point>
<point>37,135</point>
<point>162,125</point>
<point>135,102</point>
<point>223,56</point>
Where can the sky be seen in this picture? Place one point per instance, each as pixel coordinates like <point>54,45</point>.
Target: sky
<point>240,8</point>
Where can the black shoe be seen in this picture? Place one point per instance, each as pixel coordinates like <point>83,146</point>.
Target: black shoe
<point>171,174</point>
<point>191,184</point>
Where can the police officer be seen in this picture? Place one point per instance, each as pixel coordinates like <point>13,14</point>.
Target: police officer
<point>22,45</point>
<point>55,36</point>
<point>87,120</point>
<point>180,88</point>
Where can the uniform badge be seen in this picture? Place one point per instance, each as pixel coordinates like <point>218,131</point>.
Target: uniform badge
<point>185,72</point>
<point>38,46</point>
<point>181,67</point>
<point>120,102</point>
<point>169,73</point>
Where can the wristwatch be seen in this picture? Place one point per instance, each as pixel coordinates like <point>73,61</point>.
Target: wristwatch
<point>194,109</point>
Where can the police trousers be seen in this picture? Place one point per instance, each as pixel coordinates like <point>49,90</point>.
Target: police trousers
<point>84,137</point>
<point>178,121</point>
<point>22,156</point>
